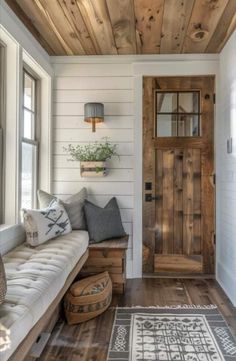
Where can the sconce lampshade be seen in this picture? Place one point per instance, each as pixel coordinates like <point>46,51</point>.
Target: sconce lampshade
<point>94,113</point>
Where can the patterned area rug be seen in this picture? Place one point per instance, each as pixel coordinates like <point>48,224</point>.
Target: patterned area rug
<point>188,333</point>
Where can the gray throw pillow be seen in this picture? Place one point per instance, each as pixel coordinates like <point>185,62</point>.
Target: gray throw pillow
<point>103,223</point>
<point>3,282</point>
<point>74,206</point>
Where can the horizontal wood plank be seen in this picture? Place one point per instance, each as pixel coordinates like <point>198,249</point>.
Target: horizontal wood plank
<point>82,135</point>
<point>93,82</point>
<point>92,95</point>
<point>64,108</point>
<point>123,148</point>
<point>125,161</point>
<point>100,70</point>
<point>73,175</point>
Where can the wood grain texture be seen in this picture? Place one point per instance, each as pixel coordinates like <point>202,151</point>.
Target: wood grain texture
<point>178,264</point>
<point>108,256</point>
<point>123,25</point>
<point>74,17</point>
<point>90,340</point>
<point>96,16</point>
<point>148,24</point>
<point>175,21</point>
<point>205,17</point>
<point>224,28</point>
<point>179,221</point>
<point>149,224</point>
<point>66,27</point>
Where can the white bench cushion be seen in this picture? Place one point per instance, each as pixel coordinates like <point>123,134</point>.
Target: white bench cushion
<point>34,278</point>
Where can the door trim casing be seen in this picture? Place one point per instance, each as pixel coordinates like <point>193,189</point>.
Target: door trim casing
<point>174,65</point>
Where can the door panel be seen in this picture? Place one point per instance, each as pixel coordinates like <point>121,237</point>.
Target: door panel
<point>178,222</point>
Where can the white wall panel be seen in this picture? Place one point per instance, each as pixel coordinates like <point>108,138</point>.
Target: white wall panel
<point>88,70</point>
<point>65,108</point>
<point>73,175</point>
<point>62,161</point>
<point>93,95</point>
<point>111,84</point>
<point>93,82</point>
<point>226,171</point>
<point>76,122</point>
<point>123,148</point>
<point>81,135</point>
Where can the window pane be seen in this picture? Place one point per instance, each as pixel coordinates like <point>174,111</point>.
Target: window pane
<point>188,125</point>
<point>166,102</point>
<point>29,91</point>
<point>28,175</point>
<point>28,124</point>
<point>166,125</point>
<point>188,102</point>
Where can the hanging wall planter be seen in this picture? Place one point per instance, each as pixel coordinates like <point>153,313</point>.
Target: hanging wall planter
<point>92,169</point>
<point>92,157</point>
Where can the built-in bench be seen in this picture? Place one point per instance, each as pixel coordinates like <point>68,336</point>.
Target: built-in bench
<point>108,256</point>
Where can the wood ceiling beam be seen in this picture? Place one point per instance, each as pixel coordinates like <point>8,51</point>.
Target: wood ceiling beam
<point>123,25</point>
<point>176,18</point>
<point>225,27</point>
<point>149,15</point>
<point>61,26</point>
<point>205,17</point>
<point>96,16</point>
<point>76,20</point>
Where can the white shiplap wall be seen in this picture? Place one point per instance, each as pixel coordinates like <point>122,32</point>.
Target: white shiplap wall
<point>111,84</point>
<point>226,171</point>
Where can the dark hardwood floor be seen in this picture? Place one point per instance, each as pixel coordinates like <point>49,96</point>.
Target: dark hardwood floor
<point>89,341</point>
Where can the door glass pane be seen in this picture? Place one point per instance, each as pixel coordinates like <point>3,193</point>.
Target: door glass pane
<point>166,102</point>
<point>28,173</point>
<point>188,102</point>
<point>28,124</point>
<point>166,125</point>
<point>29,91</point>
<point>188,125</point>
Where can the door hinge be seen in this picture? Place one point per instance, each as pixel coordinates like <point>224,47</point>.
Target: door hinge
<point>214,98</point>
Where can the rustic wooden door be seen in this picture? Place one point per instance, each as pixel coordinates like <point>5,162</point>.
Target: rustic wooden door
<point>178,175</point>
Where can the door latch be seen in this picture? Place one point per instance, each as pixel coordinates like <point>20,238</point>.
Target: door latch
<point>150,198</point>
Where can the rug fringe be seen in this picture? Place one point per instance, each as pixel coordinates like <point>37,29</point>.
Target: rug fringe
<point>203,307</point>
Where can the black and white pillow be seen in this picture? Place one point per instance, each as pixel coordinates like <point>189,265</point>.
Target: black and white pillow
<point>44,224</point>
<point>103,223</point>
<point>74,206</point>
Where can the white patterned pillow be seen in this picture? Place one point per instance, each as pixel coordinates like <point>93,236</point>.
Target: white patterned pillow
<point>44,224</point>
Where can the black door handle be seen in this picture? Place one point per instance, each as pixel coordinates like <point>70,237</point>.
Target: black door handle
<point>150,198</point>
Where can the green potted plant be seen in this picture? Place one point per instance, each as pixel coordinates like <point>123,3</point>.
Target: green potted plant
<point>92,157</point>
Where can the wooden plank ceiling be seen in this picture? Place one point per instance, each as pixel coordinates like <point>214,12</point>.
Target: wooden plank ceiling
<point>108,27</point>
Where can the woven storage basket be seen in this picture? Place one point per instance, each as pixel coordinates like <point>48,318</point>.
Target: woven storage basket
<point>88,298</point>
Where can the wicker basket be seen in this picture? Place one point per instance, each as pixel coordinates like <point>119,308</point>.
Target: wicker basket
<point>88,298</point>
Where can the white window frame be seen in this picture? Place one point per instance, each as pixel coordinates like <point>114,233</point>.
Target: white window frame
<point>2,127</point>
<point>36,133</point>
<point>16,56</point>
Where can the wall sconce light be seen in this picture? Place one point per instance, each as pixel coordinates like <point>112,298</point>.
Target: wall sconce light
<point>94,113</point>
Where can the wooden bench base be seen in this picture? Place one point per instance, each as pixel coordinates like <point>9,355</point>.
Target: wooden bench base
<point>108,256</point>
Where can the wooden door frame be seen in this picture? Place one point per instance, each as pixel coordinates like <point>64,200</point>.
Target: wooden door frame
<point>149,89</point>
